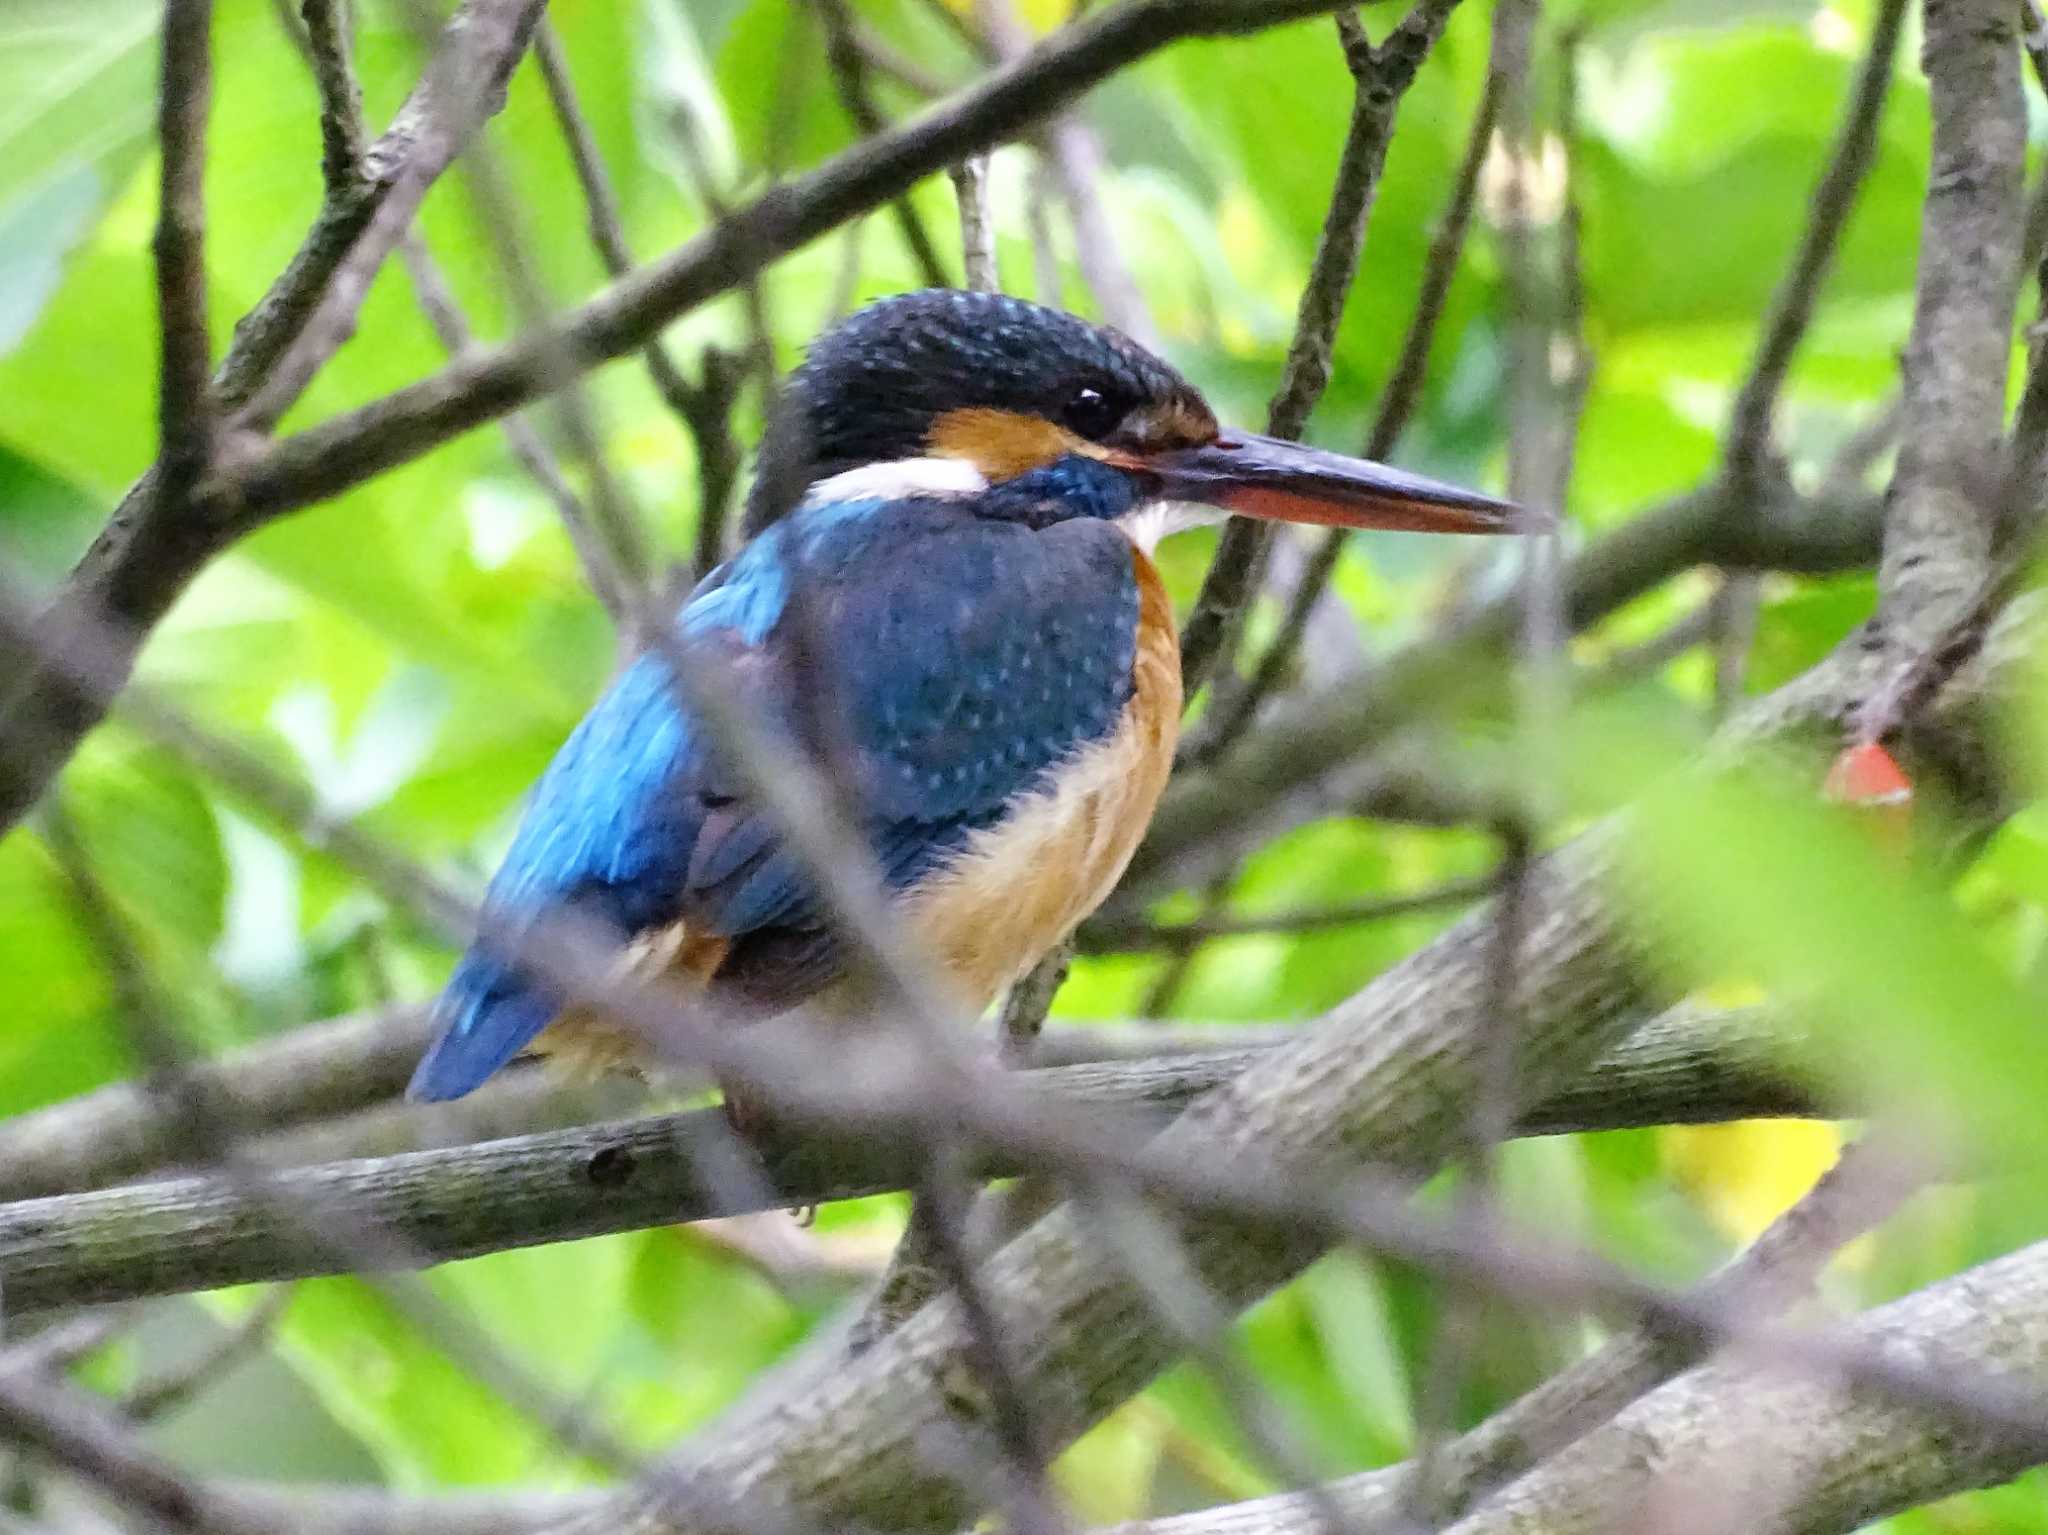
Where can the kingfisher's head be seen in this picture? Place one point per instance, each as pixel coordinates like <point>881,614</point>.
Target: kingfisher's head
<point>951,392</point>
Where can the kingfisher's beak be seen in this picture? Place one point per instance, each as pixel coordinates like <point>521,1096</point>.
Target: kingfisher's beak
<point>1265,477</point>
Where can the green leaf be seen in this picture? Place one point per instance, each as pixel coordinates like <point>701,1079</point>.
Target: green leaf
<point>1751,876</point>
<point>427,1421</point>
<point>151,838</point>
<point>76,103</point>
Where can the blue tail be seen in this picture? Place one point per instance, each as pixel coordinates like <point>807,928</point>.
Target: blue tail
<point>487,1015</point>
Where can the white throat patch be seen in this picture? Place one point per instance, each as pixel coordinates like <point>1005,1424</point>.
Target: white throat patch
<point>1162,519</point>
<point>899,478</point>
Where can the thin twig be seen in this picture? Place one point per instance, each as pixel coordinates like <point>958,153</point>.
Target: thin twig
<point>1398,400</point>
<point>59,1425</point>
<point>1748,443</point>
<point>977,224</point>
<point>1382,76</point>
<point>849,75</point>
<point>185,405</point>
<point>172,1389</point>
<point>1121,935</point>
<point>705,409</point>
<point>438,302</point>
<point>1029,1003</point>
<point>462,85</point>
<point>326,30</point>
<point>1070,154</point>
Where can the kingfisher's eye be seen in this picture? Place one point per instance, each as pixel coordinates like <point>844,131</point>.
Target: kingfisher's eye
<point>1090,414</point>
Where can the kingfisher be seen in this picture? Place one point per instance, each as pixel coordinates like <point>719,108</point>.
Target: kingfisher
<point>949,597</point>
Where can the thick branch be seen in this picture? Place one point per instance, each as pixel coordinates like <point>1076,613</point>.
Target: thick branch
<point>1863,1188</point>
<point>1791,1450</point>
<point>197,1233</point>
<point>330,1068</point>
<point>1386,1078</point>
<point>1941,522</point>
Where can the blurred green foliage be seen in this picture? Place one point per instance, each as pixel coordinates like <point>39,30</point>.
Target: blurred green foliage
<point>417,648</point>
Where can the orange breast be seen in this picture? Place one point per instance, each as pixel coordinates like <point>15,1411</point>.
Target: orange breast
<point>1022,885</point>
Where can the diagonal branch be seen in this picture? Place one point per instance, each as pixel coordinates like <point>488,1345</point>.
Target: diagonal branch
<point>1398,400</point>
<point>1382,77</point>
<point>1788,1450</point>
<point>848,64</point>
<point>1865,1186</point>
<point>704,409</point>
<point>62,1427</point>
<point>1310,737</point>
<point>464,84</point>
<point>159,536</point>
<point>1792,307</point>
<point>341,96</point>
<point>185,406</point>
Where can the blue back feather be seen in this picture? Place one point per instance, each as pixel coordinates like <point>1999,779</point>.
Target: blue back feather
<point>950,654</point>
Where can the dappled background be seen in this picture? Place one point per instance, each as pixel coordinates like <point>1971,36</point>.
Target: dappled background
<point>417,647</point>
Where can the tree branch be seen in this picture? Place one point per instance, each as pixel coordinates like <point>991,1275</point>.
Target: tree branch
<point>1792,307</point>
<point>317,1072</point>
<point>1387,1077</point>
<point>1943,512</point>
<point>341,97</point>
<point>196,1233</point>
<point>185,406</point>
<point>849,74</point>
<point>1309,737</point>
<point>1794,1450</point>
<point>705,409</point>
<point>1859,1193</point>
<point>1382,77</point>
<point>59,1425</point>
<point>158,538</point>
<point>1398,400</point>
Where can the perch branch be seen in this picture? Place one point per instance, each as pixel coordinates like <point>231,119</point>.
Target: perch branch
<point>200,1232</point>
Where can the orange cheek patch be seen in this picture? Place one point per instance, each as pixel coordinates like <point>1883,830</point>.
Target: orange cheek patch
<point>1001,443</point>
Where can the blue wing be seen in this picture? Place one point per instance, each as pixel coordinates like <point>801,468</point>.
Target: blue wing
<point>940,662</point>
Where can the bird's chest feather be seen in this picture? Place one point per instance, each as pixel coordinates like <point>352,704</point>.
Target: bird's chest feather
<point>1019,885</point>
